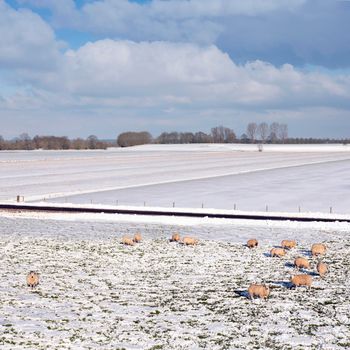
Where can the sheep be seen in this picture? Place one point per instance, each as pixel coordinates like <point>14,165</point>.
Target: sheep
<point>301,280</point>
<point>137,238</point>
<point>32,279</point>
<point>318,249</point>
<point>322,269</point>
<point>301,263</point>
<point>127,241</point>
<point>189,241</point>
<point>258,290</point>
<point>252,243</point>
<point>175,237</point>
<point>279,252</point>
<point>287,244</point>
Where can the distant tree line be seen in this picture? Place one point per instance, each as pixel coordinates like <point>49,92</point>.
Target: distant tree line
<point>255,133</point>
<point>25,142</point>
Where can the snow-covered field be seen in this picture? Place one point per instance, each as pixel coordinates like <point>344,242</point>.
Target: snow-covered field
<point>282,177</point>
<point>96,293</point>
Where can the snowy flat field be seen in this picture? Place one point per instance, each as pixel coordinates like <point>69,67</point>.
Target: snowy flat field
<point>282,177</point>
<point>96,293</point>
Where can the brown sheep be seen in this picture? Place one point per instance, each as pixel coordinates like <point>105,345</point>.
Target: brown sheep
<point>287,244</point>
<point>318,249</point>
<point>301,280</point>
<point>301,263</point>
<point>279,252</point>
<point>175,237</point>
<point>189,241</point>
<point>137,238</point>
<point>32,279</point>
<point>322,268</point>
<point>252,243</point>
<point>127,241</point>
<point>258,290</point>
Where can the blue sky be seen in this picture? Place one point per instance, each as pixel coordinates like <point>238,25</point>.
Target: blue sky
<point>101,67</point>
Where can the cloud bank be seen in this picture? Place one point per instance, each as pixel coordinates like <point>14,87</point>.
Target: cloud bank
<point>124,84</point>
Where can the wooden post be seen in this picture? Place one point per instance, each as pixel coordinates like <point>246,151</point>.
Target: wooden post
<point>267,208</point>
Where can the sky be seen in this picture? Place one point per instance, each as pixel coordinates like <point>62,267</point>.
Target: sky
<point>102,67</point>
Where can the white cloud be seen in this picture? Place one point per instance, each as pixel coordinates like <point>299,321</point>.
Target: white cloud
<point>158,81</point>
<point>164,75</point>
<point>26,41</point>
<point>170,20</point>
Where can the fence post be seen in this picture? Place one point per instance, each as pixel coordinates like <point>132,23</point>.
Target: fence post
<point>234,206</point>
<point>267,208</point>
<point>173,204</point>
<point>202,205</point>
<point>331,210</point>
<point>299,209</point>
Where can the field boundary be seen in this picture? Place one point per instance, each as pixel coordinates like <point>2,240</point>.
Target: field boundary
<point>151,212</point>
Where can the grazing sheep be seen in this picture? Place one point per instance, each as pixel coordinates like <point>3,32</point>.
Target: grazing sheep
<point>189,241</point>
<point>175,237</point>
<point>258,290</point>
<point>301,280</point>
<point>287,244</point>
<point>137,238</point>
<point>127,241</point>
<point>318,249</point>
<point>322,268</point>
<point>301,263</point>
<point>279,252</point>
<point>252,243</point>
<point>32,279</point>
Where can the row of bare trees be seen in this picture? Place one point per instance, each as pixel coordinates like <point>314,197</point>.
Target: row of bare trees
<point>255,133</point>
<point>263,132</point>
<point>219,134</point>
<point>25,142</point>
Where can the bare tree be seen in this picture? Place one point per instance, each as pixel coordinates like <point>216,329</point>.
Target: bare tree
<point>274,132</point>
<point>221,134</point>
<point>2,143</point>
<point>230,136</point>
<point>201,137</point>
<point>283,132</point>
<point>251,131</point>
<point>92,141</point>
<point>186,137</point>
<point>218,134</point>
<point>263,131</point>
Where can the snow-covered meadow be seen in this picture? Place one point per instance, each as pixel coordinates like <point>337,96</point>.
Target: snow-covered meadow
<point>97,293</point>
<point>282,177</point>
